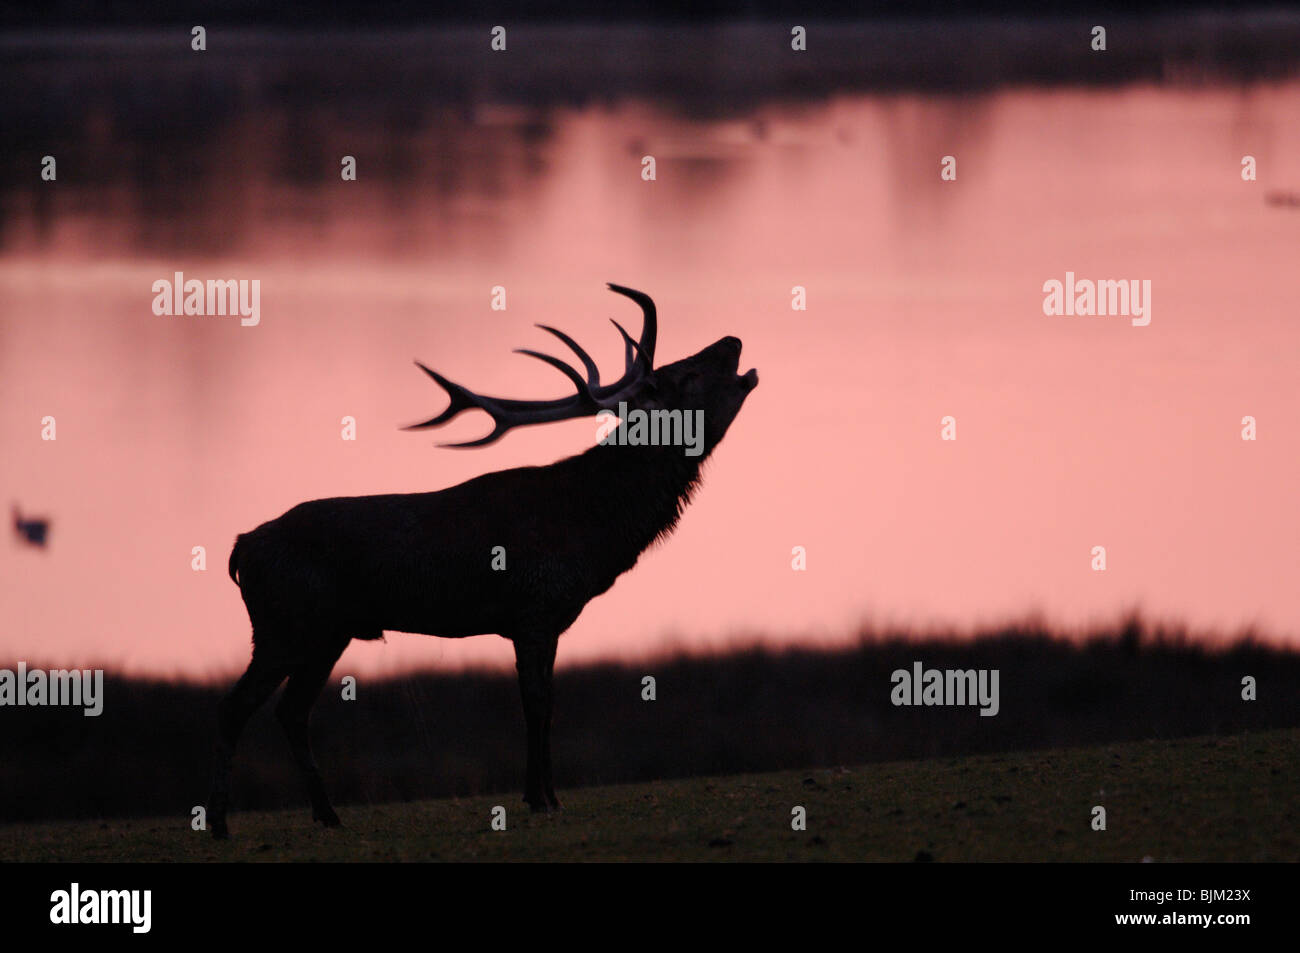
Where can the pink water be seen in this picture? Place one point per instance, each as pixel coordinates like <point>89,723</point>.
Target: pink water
<point>924,300</point>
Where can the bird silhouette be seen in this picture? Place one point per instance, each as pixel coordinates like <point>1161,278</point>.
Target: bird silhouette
<point>33,531</point>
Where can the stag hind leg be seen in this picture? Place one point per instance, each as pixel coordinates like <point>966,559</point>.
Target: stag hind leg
<point>249,694</point>
<point>294,713</point>
<point>535,663</point>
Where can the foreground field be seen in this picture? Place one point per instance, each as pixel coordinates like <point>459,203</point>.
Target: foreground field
<point>1193,799</point>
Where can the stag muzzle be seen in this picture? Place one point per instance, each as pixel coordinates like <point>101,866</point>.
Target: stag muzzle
<point>750,377</point>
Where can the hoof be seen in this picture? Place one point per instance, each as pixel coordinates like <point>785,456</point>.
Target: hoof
<point>327,819</point>
<point>220,831</point>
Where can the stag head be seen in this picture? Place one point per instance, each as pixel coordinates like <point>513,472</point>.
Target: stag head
<point>707,381</point>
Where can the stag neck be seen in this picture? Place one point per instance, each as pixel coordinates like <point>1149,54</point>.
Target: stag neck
<point>648,488</point>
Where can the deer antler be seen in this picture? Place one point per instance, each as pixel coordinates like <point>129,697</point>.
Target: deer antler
<point>590,398</point>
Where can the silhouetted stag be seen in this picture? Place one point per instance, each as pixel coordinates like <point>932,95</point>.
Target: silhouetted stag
<point>330,571</point>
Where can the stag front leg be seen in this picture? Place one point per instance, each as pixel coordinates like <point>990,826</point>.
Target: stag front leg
<point>535,662</point>
<point>548,786</point>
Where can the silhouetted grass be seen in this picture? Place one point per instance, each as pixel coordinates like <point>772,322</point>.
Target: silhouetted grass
<point>430,734</point>
<point>1191,799</point>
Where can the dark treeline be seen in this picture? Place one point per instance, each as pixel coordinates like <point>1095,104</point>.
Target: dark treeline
<point>141,96</point>
<point>306,13</point>
<point>140,109</point>
<point>430,734</point>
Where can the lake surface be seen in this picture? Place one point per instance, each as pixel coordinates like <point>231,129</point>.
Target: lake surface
<point>924,300</point>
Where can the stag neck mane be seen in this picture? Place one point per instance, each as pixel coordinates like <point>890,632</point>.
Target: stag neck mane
<point>654,485</point>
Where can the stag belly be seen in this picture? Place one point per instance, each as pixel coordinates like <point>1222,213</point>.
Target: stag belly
<point>461,603</point>
<point>362,566</point>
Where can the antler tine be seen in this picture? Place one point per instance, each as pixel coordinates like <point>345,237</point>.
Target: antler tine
<point>650,329</point>
<point>590,397</point>
<point>593,372</point>
<point>583,390</point>
<point>461,399</point>
<point>497,433</point>
<point>632,348</point>
<point>629,348</point>
<point>505,413</point>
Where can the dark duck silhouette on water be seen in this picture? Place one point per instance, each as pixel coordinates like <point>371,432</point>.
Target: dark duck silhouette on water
<point>33,531</point>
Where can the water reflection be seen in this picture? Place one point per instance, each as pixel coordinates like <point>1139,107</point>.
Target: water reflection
<point>924,301</point>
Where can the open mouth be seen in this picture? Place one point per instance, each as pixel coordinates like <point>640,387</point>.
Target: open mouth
<point>750,377</point>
